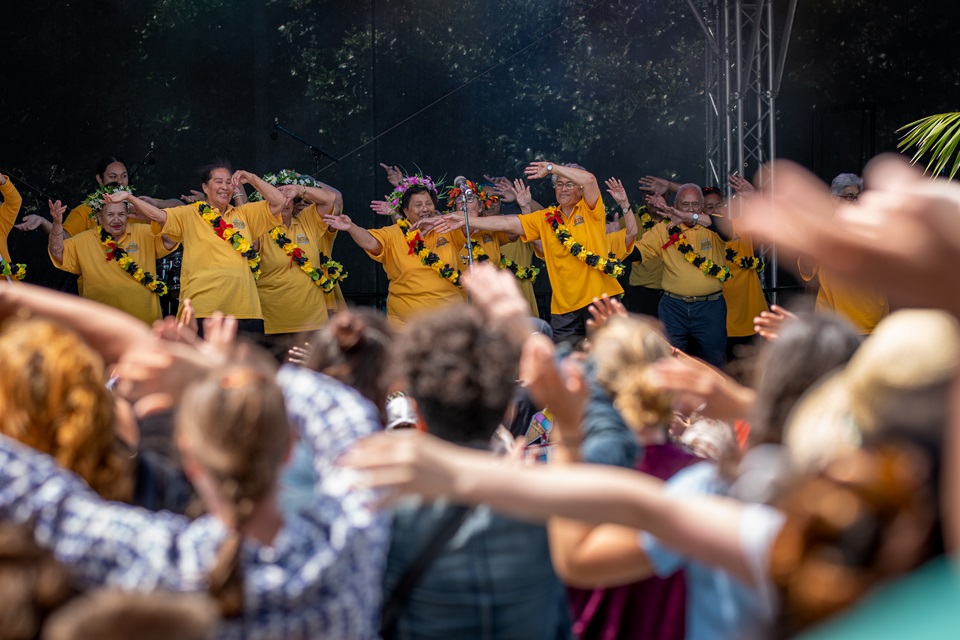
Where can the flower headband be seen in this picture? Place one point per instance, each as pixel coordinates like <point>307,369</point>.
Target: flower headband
<point>395,197</point>
<point>287,176</point>
<point>485,198</point>
<point>95,199</point>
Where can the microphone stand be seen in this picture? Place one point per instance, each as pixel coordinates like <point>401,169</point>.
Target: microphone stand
<point>466,227</point>
<point>317,151</point>
<point>147,157</point>
<point>20,179</point>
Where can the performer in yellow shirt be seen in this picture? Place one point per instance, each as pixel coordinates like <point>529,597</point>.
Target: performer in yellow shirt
<point>220,265</point>
<point>117,260</point>
<point>9,209</point>
<point>295,278</point>
<point>574,244</point>
<point>421,264</point>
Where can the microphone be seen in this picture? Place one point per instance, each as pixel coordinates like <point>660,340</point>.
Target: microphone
<point>150,159</point>
<point>461,183</point>
<point>276,123</point>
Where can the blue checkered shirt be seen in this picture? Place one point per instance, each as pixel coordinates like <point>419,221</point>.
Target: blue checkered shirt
<point>321,577</point>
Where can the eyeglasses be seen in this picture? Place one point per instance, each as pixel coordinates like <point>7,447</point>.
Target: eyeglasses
<point>851,197</point>
<point>565,186</point>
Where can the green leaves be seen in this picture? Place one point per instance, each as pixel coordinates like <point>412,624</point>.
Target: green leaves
<point>938,136</point>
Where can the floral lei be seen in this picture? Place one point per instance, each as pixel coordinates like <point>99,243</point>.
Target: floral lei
<point>431,259</point>
<point>229,233</point>
<point>486,199</point>
<point>286,176</point>
<point>519,271</point>
<point>118,253</point>
<point>326,281</point>
<point>609,266</point>
<point>95,199</point>
<point>7,269</point>
<point>745,262</point>
<point>708,266</point>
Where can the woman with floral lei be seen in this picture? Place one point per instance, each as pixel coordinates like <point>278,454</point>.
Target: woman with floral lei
<point>295,282</point>
<point>331,199</point>
<point>574,244</point>
<point>423,266</point>
<point>117,261</point>
<point>220,265</point>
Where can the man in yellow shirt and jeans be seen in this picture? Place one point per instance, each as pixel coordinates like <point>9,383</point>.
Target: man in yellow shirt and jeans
<point>692,305</point>
<point>579,269</point>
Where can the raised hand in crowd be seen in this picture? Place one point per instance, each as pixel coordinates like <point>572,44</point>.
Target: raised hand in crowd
<point>856,243</point>
<point>618,193</point>
<point>339,221</point>
<point>496,294</point>
<point>394,175</point>
<point>502,187</point>
<point>57,209</point>
<point>524,199</point>
<point>742,186</point>
<point>769,324</point>
<point>380,207</point>
<point>602,310</point>
<point>195,196</point>
<point>699,387</point>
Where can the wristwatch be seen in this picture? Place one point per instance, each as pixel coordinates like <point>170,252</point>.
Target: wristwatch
<point>550,168</point>
<point>696,217</point>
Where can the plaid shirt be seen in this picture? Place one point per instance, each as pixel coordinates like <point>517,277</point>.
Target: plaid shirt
<point>320,578</point>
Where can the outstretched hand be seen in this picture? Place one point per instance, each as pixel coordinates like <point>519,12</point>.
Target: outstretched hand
<point>394,175</point>
<point>742,186</point>
<point>658,186</point>
<point>770,324</point>
<point>31,222</point>
<point>502,187</point>
<point>449,222</point>
<point>617,192</point>
<point>381,207</point>
<point>338,221</point>
<point>195,196</point>
<point>537,170</point>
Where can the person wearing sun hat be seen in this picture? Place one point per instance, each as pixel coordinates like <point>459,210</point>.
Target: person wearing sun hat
<point>423,266</point>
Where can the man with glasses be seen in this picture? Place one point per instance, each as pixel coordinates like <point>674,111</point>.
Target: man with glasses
<point>575,283</point>
<point>692,308</point>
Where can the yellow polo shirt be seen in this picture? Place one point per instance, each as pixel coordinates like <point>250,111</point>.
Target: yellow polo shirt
<point>8,215</point>
<point>863,306</point>
<point>648,273</point>
<point>213,274</point>
<point>415,287</point>
<point>522,254</point>
<point>491,242</point>
<point>291,301</point>
<point>679,276</point>
<point>574,283</point>
<point>107,282</point>
<point>743,293</point>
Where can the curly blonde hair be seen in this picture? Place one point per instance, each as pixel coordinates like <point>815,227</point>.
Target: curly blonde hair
<point>623,352</point>
<point>53,398</point>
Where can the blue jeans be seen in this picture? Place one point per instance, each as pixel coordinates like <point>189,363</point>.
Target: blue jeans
<point>703,322</point>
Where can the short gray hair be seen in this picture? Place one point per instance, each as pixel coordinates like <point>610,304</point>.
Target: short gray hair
<point>688,187</point>
<point>845,180</point>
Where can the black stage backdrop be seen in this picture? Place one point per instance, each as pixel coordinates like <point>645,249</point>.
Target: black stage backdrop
<point>445,87</point>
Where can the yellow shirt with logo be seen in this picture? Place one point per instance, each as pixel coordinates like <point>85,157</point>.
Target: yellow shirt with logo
<point>290,299</point>
<point>107,282</point>
<point>743,293</point>
<point>414,287</point>
<point>213,274</point>
<point>575,284</point>
<point>863,306</point>
<point>679,276</point>
<point>8,215</point>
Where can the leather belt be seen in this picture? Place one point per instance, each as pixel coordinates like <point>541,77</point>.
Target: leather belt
<point>712,296</point>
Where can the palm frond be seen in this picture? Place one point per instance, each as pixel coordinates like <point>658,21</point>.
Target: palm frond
<point>937,136</point>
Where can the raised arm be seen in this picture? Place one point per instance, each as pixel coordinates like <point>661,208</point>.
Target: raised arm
<point>55,239</point>
<point>618,193</point>
<point>327,199</point>
<point>270,193</point>
<point>701,527</point>
<point>109,331</point>
<point>361,236</point>
<point>10,206</point>
<point>582,177</point>
<point>139,205</point>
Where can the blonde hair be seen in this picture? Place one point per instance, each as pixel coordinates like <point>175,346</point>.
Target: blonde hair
<point>235,425</point>
<point>624,351</point>
<point>53,398</point>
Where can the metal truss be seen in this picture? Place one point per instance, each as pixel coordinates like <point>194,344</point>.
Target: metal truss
<point>742,75</point>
